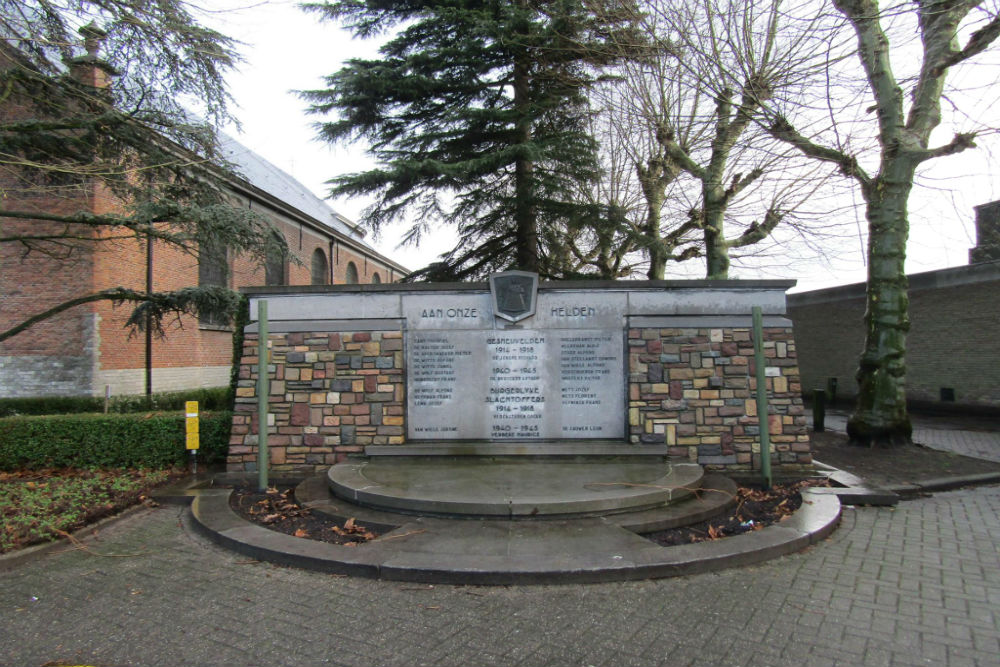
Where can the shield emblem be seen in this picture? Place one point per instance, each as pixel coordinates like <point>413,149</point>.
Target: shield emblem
<point>514,294</point>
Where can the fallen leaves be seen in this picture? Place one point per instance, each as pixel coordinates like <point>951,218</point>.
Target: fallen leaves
<point>276,506</point>
<point>360,533</point>
<point>279,511</point>
<point>755,509</point>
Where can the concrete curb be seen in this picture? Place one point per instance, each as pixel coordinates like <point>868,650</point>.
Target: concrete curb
<point>492,552</point>
<point>855,488</point>
<point>945,484</point>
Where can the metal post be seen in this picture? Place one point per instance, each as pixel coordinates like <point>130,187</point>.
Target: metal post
<point>759,362</point>
<point>149,322</point>
<point>819,410</point>
<point>263,389</point>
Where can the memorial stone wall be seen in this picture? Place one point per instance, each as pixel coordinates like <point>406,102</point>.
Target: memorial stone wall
<point>622,366</point>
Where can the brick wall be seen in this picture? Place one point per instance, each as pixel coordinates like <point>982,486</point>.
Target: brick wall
<point>694,390</point>
<point>80,351</point>
<point>185,344</point>
<point>951,344</point>
<point>331,394</point>
<point>344,256</point>
<point>131,381</point>
<point>35,279</point>
<point>830,337</point>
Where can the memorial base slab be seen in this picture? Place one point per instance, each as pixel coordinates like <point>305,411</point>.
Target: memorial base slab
<point>513,487</point>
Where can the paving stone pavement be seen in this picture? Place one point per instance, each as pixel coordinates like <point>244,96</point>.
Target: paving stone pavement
<point>940,433</point>
<point>915,585</point>
<point>978,444</point>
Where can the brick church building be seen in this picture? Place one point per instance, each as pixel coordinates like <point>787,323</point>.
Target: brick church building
<point>86,348</point>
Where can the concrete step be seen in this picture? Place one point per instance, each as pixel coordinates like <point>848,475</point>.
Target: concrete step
<point>512,487</point>
<point>716,495</point>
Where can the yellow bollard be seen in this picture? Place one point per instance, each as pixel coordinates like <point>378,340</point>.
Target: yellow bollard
<point>191,429</point>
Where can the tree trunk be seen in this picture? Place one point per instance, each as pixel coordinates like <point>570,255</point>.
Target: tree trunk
<point>657,252</point>
<point>880,415</point>
<point>525,212</point>
<point>525,217</point>
<point>716,250</point>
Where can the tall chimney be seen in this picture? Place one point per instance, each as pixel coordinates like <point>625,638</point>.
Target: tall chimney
<point>91,69</point>
<point>987,233</point>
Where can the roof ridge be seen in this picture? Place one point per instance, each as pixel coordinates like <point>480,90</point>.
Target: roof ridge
<point>264,174</point>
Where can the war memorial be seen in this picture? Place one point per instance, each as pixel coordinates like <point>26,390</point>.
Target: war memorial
<point>519,431</point>
<point>522,368</point>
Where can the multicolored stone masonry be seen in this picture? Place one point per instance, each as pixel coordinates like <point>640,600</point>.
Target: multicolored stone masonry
<point>657,366</point>
<point>331,395</point>
<point>694,390</point>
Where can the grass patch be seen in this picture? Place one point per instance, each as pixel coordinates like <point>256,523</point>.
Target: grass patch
<point>40,505</point>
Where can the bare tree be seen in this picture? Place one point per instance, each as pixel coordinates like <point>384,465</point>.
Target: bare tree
<point>702,162</point>
<point>603,241</point>
<point>636,172</point>
<point>901,111</point>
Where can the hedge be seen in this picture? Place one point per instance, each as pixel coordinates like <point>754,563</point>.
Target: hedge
<point>217,398</point>
<point>108,440</point>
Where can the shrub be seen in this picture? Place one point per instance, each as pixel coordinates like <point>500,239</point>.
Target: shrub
<point>213,399</point>
<point>50,405</point>
<point>135,440</point>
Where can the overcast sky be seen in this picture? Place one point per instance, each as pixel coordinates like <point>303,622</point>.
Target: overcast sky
<point>287,50</point>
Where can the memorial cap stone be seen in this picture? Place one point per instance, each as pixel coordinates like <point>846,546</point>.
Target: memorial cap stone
<point>514,294</point>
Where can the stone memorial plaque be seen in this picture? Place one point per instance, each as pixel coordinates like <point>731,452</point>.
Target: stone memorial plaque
<point>515,384</point>
<point>447,311</point>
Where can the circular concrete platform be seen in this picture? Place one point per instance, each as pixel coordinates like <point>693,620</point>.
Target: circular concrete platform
<point>512,487</point>
<point>488,551</point>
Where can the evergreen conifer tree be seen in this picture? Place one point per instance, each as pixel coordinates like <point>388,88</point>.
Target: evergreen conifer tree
<point>92,96</point>
<point>476,114</point>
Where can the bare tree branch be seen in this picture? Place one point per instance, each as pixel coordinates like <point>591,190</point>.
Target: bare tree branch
<point>978,42</point>
<point>781,129</point>
<point>959,143</point>
<point>740,182</point>
<point>757,232</point>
